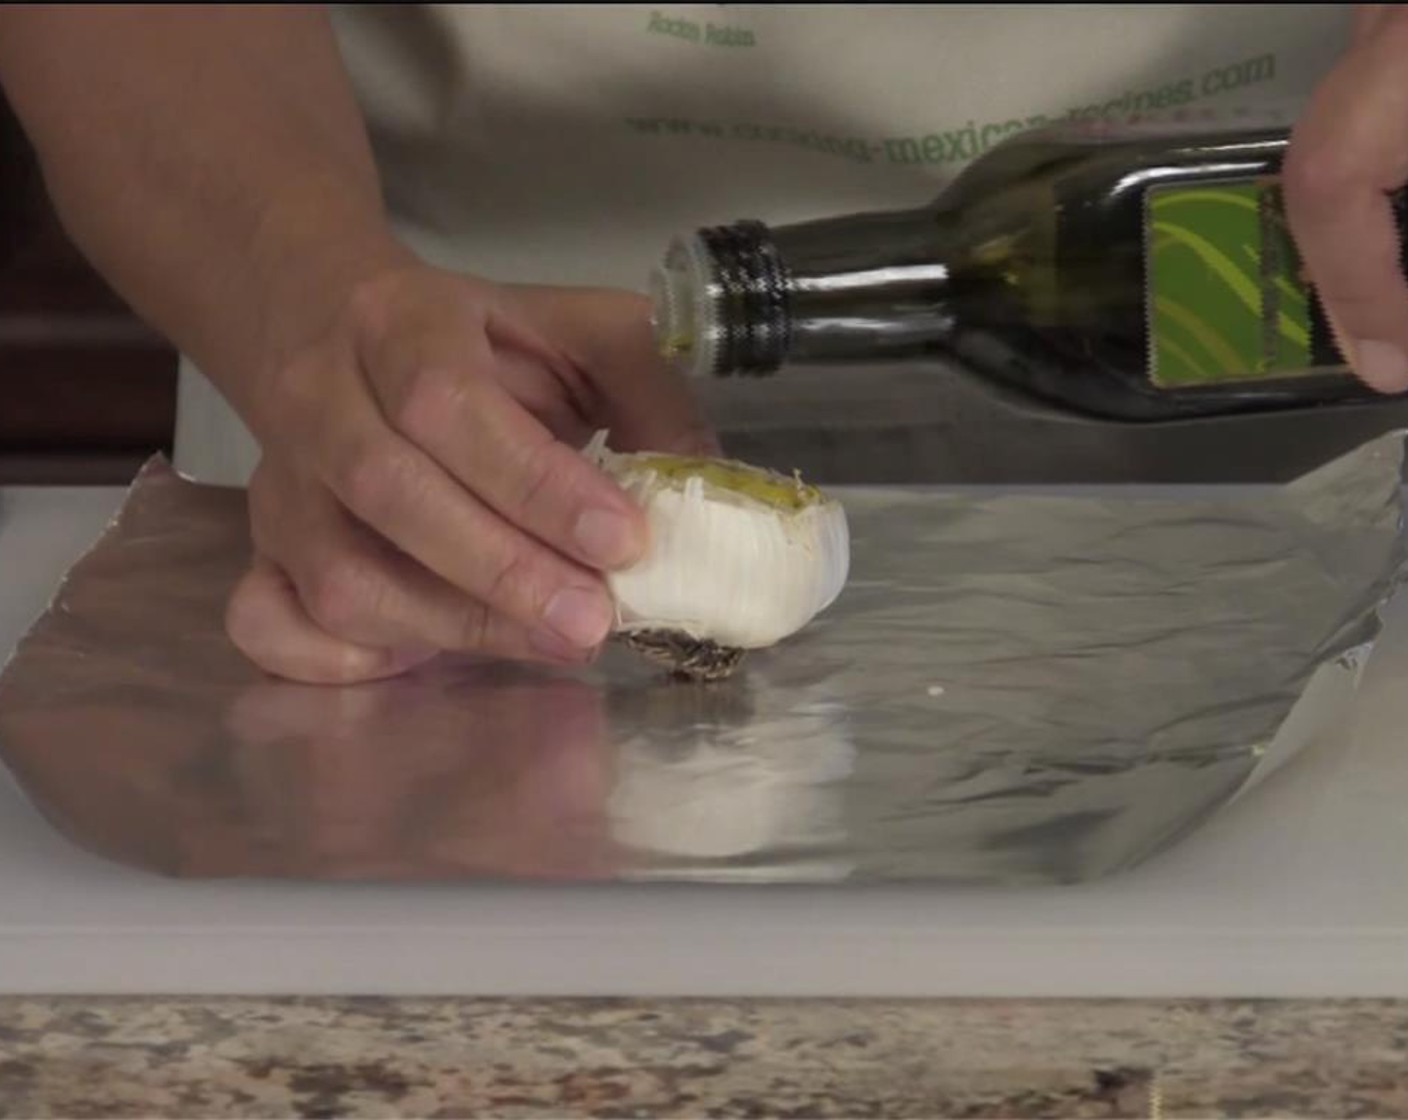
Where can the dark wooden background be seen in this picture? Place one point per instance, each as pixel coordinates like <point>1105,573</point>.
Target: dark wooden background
<point>87,390</point>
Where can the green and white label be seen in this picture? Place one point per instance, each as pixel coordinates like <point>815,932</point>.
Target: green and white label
<point>1228,301</point>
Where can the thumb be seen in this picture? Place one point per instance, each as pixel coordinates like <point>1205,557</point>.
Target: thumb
<point>266,622</point>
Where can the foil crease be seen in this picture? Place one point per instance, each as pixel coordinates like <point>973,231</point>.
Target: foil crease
<point>1014,688</point>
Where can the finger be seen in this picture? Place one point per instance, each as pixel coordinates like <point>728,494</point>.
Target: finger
<point>439,392</point>
<point>266,622</point>
<point>607,336</point>
<point>358,589</point>
<point>568,415</point>
<point>1347,152</point>
<point>399,492</point>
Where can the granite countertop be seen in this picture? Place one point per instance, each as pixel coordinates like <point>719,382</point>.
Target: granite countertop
<point>349,1057</point>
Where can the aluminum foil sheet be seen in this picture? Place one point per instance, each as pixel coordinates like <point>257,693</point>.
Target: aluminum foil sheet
<point>1014,688</point>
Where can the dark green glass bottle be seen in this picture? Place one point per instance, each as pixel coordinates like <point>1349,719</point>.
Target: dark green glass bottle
<point>1141,275</point>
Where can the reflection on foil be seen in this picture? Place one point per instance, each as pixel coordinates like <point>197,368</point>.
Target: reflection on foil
<point>1014,688</point>
<point>726,782</point>
<point>464,769</point>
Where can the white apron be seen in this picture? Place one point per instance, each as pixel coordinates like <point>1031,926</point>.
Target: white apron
<point>567,143</point>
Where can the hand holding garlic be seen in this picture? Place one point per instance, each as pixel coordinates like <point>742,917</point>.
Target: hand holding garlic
<point>422,489</point>
<point>739,558</point>
<point>438,502</point>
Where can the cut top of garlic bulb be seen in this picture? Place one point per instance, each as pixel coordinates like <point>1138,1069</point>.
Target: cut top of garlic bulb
<point>738,556</point>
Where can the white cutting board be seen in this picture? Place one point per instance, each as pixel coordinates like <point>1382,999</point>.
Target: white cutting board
<point>1298,889</point>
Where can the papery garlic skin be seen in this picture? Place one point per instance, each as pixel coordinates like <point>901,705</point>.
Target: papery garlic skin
<point>738,556</point>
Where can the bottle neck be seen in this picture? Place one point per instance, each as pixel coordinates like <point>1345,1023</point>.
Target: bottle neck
<point>745,299</point>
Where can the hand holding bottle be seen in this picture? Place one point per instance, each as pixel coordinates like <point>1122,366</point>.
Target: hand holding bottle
<point>1347,152</point>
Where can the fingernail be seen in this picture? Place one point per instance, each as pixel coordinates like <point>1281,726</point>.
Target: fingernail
<point>580,615</point>
<point>1383,365</point>
<point>606,538</point>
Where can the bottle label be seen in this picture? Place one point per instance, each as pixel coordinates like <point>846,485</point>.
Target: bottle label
<point>1228,298</point>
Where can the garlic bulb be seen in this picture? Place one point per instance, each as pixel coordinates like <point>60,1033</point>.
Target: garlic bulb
<point>739,557</point>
